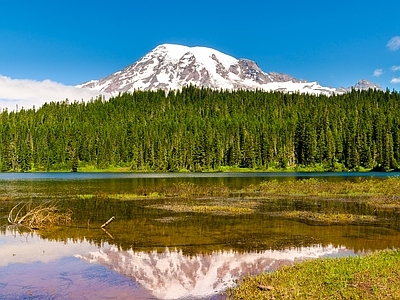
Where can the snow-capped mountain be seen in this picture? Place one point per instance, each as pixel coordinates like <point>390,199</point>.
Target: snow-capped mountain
<point>170,67</point>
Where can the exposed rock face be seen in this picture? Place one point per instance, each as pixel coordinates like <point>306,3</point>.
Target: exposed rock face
<point>171,67</point>
<point>364,84</point>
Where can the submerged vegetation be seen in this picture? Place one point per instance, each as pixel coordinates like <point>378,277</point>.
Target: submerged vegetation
<point>303,199</point>
<point>375,276</point>
<point>205,130</point>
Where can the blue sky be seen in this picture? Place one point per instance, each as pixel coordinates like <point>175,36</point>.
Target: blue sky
<point>335,43</point>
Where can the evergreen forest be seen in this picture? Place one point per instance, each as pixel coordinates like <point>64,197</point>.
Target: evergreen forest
<point>206,130</point>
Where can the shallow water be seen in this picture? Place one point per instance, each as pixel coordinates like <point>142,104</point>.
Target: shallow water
<point>150,253</point>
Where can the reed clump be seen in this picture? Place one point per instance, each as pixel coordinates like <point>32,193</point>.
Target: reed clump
<point>40,216</point>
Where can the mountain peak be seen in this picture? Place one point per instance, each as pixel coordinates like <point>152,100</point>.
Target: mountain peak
<point>365,84</point>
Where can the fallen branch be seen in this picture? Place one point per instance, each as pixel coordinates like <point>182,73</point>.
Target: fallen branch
<point>38,217</point>
<point>108,222</point>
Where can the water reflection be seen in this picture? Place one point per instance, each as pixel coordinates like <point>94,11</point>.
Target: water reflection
<point>154,253</point>
<point>41,268</point>
<point>173,275</point>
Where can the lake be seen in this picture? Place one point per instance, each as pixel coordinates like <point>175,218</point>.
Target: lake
<point>150,252</point>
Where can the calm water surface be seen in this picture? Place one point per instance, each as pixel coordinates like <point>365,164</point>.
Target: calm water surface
<point>150,253</point>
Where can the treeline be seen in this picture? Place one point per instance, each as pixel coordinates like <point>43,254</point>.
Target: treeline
<point>201,129</point>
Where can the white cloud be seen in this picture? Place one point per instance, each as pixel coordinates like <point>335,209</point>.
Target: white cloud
<point>394,43</point>
<point>378,72</point>
<point>395,80</point>
<point>395,68</point>
<point>28,93</point>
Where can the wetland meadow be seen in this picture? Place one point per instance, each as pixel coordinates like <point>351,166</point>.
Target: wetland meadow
<point>199,235</point>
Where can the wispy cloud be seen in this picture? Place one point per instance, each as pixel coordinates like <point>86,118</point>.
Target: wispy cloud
<point>395,68</point>
<point>28,93</point>
<point>394,43</point>
<point>378,72</point>
<point>395,80</point>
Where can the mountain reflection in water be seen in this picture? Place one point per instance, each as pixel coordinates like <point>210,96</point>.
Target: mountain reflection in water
<point>173,275</point>
<point>31,266</point>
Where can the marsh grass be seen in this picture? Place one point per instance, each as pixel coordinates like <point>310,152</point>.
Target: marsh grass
<point>326,218</point>
<point>321,187</point>
<point>214,208</point>
<point>129,196</point>
<point>86,196</point>
<point>177,190</point>
<point>378,194</point>
<point>375,276</point>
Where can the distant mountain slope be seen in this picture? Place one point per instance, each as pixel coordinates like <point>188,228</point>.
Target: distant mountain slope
<point>169,67</point>
<point>364,84</point>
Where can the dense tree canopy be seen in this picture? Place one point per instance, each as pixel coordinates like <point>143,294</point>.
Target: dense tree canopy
<point>201,129</point>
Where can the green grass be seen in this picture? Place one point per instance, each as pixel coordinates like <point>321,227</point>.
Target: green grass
<point>86,196</point>
<point>375,276</point>
<point>381,194</point>
<point>84,167</point>
<point>326,218</point>
<point>129,196</point>
<point>378,195</point>
<point>224,207</point>
<point>321,187</point>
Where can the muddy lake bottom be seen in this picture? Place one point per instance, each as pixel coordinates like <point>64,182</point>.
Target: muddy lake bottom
<point>160,247</point>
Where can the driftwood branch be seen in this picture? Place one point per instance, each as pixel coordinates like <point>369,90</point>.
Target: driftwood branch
<point>108,222</point>
<point>36,217</point>
<point>109,234</point>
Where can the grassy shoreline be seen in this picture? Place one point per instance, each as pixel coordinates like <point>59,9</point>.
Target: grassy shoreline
<point>374,276</point>
<point>318,168</point>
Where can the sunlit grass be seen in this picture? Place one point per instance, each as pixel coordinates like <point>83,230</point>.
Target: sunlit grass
<point>129,196</point>
<point>375,276</point>
<point>314,186</point>
<point>378,194</point>
<point>86,196</point>
<point>231,207</point>
<point>327,218</point>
